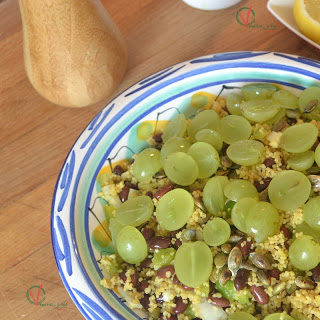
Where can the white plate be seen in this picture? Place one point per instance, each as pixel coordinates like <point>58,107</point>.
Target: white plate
<point>283,11</point>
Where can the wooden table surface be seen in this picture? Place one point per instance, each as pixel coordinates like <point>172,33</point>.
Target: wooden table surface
<point>36,135</point>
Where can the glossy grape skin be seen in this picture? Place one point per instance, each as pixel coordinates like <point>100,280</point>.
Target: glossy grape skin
<point>233,103</point>
<point>311,213</point>
<point>278,316</point>
<point>262,221</point>
<point>299,138</point>
<point>176,144</point>
<point>286,98</point>
<point>207,119</point>
<point>301,161</point>
<point>174,209</point>
<point>146,164</point>
<point>240,212</point>
<point>210,136</point>
<point>181,168</point>
<point>213,194</point>
<point>193,263</point>
<point>175,128</point>
<point>135,211</point>
<point>245,152</point>
<point>307,95</point>
<point>259,91</point>
<point>307,230</point>
<point>304,253</point>
<point>206,157</point>
<point>234,128</point>
<point>289,190</point>
<point>279,116</point>
<point>114,227</point>
<point>216,232</point>
<point>317,155</point>
<point>240,315</point>
<point>131,245</point>
<point>259,110</point>
<point>237,189</point>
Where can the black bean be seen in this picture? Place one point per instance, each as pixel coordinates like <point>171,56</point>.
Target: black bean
<point>158,137</point>
<point>287,233</point>
<point>134,278</point>
<point>177,244</point>
<point>245,246</point>
<point>149,194</point>
<point>145,301</point>
<point>262,185</point>
<point>124,193</point>
<point>159,242</point>
<point>259,294</point>
<point>219,302</point>
<point>146,263</point>
<point>274,273</point>
<point>316,273</point>
<point>269,162</point>
<point>241,279</point>
<point>142,285</point>
<point>118,170</point>
<point>180,306</point>
<point>163,190</point>
<point>162,272</point>
<point>148,233</point>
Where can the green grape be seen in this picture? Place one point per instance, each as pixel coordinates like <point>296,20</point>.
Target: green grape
<point>246,152</point>
<point>240,212</point>
<point>258,91</point>
<point>286,98</point>
<point>304,253</point>
<point>175,128</point>
<point>228,207</point>
<point>206,157</point>
<point>131,245</point>
<point>193,263</point>
<point>299,138</point>
<point>279,116</point>
<point>307,230</point>
<point>210,136</point>
<point>237,189</point>
<point>263,221</point>
<point>213,194</point>
<point>181,168</point>
<point>240,315</point>
<point>278,316</point>
<point>307,95</point>
<point>216,232</point>
<point>259,110</point>
<point>146,164</point>
<point>317,155</point>
<point>114,227</point>
<point>162,257</point>
<point>234,128</point>
<point>207,119</point>
<point>176,144</point>
<point>289,190</point>
<point>135,211</point>
<point>174,209</point>
<point>311,213</point>
<point>301,161</point>
<point>233,103</point>
<point>298,316</point>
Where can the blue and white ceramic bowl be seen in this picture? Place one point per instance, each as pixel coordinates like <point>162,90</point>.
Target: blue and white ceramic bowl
<point>75,213</point>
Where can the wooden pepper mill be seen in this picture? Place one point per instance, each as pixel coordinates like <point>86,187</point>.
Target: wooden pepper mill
<point>74,54</point>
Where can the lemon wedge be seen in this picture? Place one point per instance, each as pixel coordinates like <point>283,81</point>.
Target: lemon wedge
<point>307,16</point>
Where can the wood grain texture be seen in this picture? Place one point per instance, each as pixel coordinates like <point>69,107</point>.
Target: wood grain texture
<point>36,135</point>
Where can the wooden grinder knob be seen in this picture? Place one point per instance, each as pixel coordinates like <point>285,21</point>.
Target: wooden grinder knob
<point>74,54</point>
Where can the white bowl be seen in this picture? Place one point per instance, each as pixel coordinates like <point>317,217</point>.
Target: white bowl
<point>72,222</point>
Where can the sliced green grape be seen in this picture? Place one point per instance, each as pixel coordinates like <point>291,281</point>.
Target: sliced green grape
<point>131,245</point>
<point>237,189</point>
<point>299,138</point>
<point>181,168</point>
<point>176,144</point>
<point>234,128</point>
<point>240,315</point>
<point>135,211</point>
<point>279,116</point>
<point>175,128</point>
<point>263,221</point>
<point>259,91</point>
<point>162,257</point>
<point>193,263</point>
<point>307,95</point>
<point>246,152</point>
<point>146,164</point>
<point>216,232</point>
<point>307,230</point>
<point>207,119</point>
<point>286,98</point>
<point>317,155</point>
<point>174,209</point>
<point>304,253</point>
<point>240,212</point>
<point>289,190</point>
<point>233,103</point>
<point>210,136</point>
<point>114,227</point>
<point>213,194</point>
<point>259,110</point>
<point>278,316</point>
<point>311,213</point>
<point>301,161</point>
<point>206,157</point>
